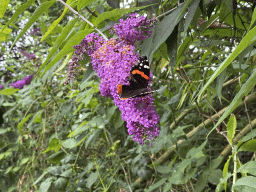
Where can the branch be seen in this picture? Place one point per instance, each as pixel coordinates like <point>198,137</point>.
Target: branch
<point>250,98</point>
<point>71,9</point>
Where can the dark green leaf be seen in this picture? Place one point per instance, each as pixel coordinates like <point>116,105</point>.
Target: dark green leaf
<point>191,11</point>
<point>164,29</point>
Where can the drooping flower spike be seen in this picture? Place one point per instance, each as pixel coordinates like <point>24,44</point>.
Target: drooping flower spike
<point>112,60</point>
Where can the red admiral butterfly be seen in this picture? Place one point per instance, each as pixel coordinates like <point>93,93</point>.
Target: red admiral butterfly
<point>139,76</point>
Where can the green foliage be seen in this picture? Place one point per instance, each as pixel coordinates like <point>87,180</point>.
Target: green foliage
<point>56,137</point>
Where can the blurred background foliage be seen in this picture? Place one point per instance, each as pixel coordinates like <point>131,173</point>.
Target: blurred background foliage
<point>57,137</point>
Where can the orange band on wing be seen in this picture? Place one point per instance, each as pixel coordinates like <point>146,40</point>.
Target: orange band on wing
<point>119,89</point>
<point>140,73</point>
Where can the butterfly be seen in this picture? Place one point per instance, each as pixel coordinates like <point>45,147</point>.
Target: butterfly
<point>138,82</point>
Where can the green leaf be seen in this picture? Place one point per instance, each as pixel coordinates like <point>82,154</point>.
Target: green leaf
<point>225,170</point>
<point>249,167</point>
<point>76,39</point>
<point>3,131</point>
<point>253,18</point>
<point>40,178</point>
<point>184,7</point>
<point>91,179</point>
<point>191,11</point>
<point>182,48</point>
<point>2,37</point>
<point>246,41</point>
<point>24,160</point>
<point>115,14</point>
<point>69,143</point>
<point>223,181</point>
<point>64,63</point>
<point>82,140</point>
<point>201,182</point>
<point>157,184</point>
<point>38,12</point>
<point>214,176</point>
<point>164,30</point>
<point>193,152</point>
<point>83,3</point>
<point>38,117</point>
<point>61,38</point>
<point>3,7</point>
<point>87,100</point>
<point>10,69</point>
<point>231,128</point>
<point>68,173</point>
<point>45,185</point>
<point>57,21</point>
<point>248,136</point>
<point>245,89</point>
<point>220,82</point>
<point>8,91</point>
<point>60,183</point>
<point>20,125</point>
<point>18,11</point>
<point>245,184</point>
<point>184,95</point>
<point>53,145</point>
<point>249,146</point>
<point>82,127</point>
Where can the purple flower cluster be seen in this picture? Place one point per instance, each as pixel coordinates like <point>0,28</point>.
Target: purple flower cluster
<point>29,56</point>
<point>1,86</point>
<point>133,28</point>
<point>113,60</point>
<point>20,83</point>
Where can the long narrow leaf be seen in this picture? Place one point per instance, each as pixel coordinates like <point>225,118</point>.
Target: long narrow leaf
<point>116,14</point>
<point>3,7</point>
<point>191,11</point>
<point>59,40</point>
<point>231,128</point>
<point>247,41</point>
<point>246,88</point>
<point>164,30</point>
<point>18,12</point>
<point>76,39</point>
<point>187,3</point>
<point>57,21</point>
<point>39,11</point>
<point>83,3</point>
